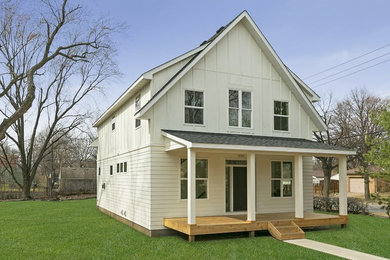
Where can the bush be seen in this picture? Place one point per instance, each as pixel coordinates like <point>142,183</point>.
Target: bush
<point>355,206</point>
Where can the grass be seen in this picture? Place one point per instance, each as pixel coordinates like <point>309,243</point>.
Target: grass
<point>77,230</point>
<point>364,233</point>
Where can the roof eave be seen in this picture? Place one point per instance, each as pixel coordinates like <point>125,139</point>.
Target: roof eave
<point>141,81</point>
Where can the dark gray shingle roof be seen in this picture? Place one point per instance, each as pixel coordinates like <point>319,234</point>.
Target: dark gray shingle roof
<point>251,140</point>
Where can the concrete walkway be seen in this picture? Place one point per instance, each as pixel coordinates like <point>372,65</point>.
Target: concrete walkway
<point>332,250</point>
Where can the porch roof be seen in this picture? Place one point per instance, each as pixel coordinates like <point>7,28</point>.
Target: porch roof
<point>253,143</point>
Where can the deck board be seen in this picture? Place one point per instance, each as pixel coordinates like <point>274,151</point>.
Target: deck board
<point>238,223</point>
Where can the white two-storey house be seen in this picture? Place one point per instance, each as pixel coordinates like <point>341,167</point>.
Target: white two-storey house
<point>221,135</point>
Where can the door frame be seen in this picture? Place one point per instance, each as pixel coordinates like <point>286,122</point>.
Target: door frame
<point>231,190</point>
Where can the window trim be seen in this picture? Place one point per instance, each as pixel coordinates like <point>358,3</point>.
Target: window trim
<point>282,178</point>
<point>113,124</point>
<point>240,109</point>
<point>136,108</point>
<point>279,115</point>
<point>194,107</point>
<point>207,180</point>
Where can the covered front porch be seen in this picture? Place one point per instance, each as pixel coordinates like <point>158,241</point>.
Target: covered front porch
<point>281,224</point>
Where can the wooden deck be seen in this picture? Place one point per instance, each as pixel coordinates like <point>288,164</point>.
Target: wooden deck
<point>238,223</point>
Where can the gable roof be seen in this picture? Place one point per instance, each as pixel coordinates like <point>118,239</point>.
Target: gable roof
<point>268,50</point>
<point>144,79</point>
<point>304,93</point>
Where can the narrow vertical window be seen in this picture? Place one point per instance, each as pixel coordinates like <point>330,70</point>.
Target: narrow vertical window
<point>121,167</point>
<point>240,108</point>
<point>99,171</point>
<point>281,179</point>
<point>113,123</point>
<point>111,169</point>
<point>137,107</point>
<point>117,167</point>
<point>193,107</point>
<point>125,166</point>
<point>281,115</point>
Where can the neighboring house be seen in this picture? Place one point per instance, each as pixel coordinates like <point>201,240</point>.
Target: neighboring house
<point>219,135</point>
<point>355,181</point>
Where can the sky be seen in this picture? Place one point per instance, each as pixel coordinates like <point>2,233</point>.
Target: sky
<point>309,36</point>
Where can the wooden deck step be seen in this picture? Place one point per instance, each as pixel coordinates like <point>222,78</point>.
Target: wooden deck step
<point>285,230</point>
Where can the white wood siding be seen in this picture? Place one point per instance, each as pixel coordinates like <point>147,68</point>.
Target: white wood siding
<point>125,137</point>
<point>229,65</point>
<point>165,191</point>
<point>127,194</point>
<point>268,204</point>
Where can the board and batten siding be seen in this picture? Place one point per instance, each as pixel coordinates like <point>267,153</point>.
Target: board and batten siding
<point>229,66</point>
<point>127,194</point>
<point>165,193</point>
<point>125,137</point>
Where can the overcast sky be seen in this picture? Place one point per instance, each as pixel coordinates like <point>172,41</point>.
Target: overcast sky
<point>309,36</point>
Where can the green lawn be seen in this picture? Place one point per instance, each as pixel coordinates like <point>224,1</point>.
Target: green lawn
<point>77,230</point>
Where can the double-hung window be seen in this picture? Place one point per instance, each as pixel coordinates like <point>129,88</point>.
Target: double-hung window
<point>193,107</point>
<point>201,178</point>
<point>240,108</point>
<point>137,107</point>
<point>281,115</point>
<point>281,179</point>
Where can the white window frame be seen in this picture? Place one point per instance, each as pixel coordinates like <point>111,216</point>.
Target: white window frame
<point>193,107</point>
<point>282,178</point>
<point>186,179</point>
<point>137,106</point>
<point>113,123</point>
<point>240,108</point>
<point>279,115</point>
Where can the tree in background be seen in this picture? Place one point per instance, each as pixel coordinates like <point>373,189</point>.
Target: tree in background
<point>379,154</point>
<point>74,59</point>
<point>354,122</point>
<point>29,44</point>
<point>331,136</point>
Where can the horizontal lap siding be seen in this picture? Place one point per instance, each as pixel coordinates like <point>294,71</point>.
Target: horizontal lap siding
<point>308,183</point>
<point>166,187</point>
<point>127,194</point>
<point>266,203</point>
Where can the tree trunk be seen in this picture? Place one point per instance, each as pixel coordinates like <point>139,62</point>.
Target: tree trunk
<point>327,175</point>
<point>367,195</point>
<point>26,194</point>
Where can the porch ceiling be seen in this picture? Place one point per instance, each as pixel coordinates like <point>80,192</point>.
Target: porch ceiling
<point>269,144</point>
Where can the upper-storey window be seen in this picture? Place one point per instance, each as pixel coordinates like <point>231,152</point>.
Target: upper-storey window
<point>281,115</point>
<point>193,107</point>
<point>137,107</point>
<point>113,123</point>
<point>240,108</point>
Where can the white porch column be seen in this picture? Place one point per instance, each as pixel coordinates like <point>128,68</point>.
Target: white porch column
<point>298,185</point>
<point>191,187</point>
<point>251,187</point>
<point>343,207</point>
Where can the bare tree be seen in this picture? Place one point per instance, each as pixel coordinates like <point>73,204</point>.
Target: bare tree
<point>28,44</point>
<point>355,123</point>
<point>72,73</point>
<point>331,136</point>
